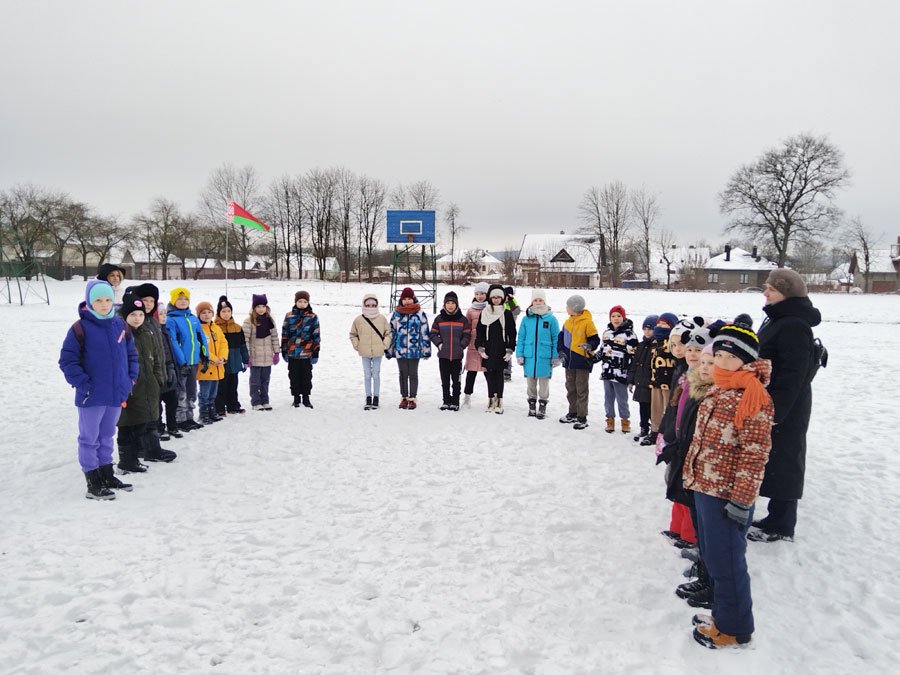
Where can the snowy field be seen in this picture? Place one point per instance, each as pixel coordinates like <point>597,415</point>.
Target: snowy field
<point>341,541</point>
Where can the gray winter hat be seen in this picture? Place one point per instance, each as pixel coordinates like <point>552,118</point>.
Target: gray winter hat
<point>576,303</point>
<point>481,287</point>
<point>787,282</point>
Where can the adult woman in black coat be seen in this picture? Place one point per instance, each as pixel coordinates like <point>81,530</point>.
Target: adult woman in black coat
<point>495,339</point>
<point>786,339</point>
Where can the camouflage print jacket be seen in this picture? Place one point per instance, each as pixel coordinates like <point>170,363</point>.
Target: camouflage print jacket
<point>724,461</point>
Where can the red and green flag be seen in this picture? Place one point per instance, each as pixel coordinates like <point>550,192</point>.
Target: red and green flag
<point>241,217</point>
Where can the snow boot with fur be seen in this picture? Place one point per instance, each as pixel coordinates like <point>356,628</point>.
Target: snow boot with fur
<point>542,409</point>
<point>532,412</point>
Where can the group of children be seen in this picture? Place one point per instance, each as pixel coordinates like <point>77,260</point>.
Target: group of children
<point>700,388</point>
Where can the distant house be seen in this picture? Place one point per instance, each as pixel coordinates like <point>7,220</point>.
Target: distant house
<point>884,270</point>
<point>559,260</point>
<point>736,269</point>
<point>679,266</point>
<point>138,266</point>
<point>309,266</point>
<point>471,265</point>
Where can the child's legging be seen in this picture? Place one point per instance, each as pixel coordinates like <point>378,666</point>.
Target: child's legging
<point>372,374</point>
<point>409,377</point>
<point>470,381</point>
<point>494,382</point>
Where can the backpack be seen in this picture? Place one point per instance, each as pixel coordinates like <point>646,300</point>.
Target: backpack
<point>820,358</point>
<point>78,330</point>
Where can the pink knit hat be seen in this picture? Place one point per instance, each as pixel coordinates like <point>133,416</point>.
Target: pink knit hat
<point>708,349</point>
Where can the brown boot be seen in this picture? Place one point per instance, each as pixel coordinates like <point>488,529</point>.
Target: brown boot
<point>712,638</point>
<point>610,424</point>
<point>626,426</point>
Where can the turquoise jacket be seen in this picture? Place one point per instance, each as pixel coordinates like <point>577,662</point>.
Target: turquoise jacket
<point>536,343</point>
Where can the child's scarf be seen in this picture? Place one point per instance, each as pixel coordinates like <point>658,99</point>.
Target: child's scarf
<point>414,308</point>
<point>754,397</point>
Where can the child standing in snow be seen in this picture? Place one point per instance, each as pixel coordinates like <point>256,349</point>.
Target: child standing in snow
<point>724,467</point>
<point>99,360</point>
<point>370,336</point>
<point>513,306</point>
<point>300,347</point>
<point>264,347</point>
<point>473,358</point>
<point>575,345</point>
<point>451,334</point>
<point>536,352</point>
<point>227,401</point>
<point>495,338</point>
<point>639,375</point>
<point>213,371</point>
<point>619,345</point>
<point>662,365</point>
<point>409,343</point>
<point>189,342</point>
<point>168,393</point>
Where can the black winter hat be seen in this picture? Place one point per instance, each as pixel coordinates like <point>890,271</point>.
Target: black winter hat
<point>104,270</point>
<point>737,339</point>
<point>147,290</point>
<point>510,291</point>
<point>131,302</point>
<point>451,297</point>
<point>223,303</point>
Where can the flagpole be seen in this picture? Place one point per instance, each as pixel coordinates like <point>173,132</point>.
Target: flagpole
<point>227,227</point>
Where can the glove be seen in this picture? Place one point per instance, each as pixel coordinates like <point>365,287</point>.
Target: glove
<point>555,362</point>
<point>314,360</point>
<point>482,352</point>
<point>508,355</point>
<point>520,360</point>
<point>387,354</point>
<point>738,513</point>
<point>275,359</point>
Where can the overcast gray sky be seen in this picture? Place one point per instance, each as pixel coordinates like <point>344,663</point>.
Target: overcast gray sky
<point>512,109</point>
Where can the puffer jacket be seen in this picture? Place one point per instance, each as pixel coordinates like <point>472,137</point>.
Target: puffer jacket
<point>300,334</point>
<point>618,348</point>
<point>662,364</point>
<point>496,339</point>
<point>724,461</point>
<point>576,331</point>
<point>104,367</point>
<point>409,335</point>
<point>143,403</point>
<point>639,372</point>
<point>473,358</point>
<point>237,345</point>
<point>451,334</point>
<point>261,350</point>
<point>536,342</point>
<point>365,340</point>
<point>218,349</point>
<point>173,372</point>
<point>188,337</point>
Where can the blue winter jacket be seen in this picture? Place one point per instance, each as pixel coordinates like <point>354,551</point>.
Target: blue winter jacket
<point>536,343</point>
<point>300,334</point>
<point>106,367</point>
<point>410,335</point>
<point>188,339</point>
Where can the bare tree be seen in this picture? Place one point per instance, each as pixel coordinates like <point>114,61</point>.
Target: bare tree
<point>285,214</point>
<point>207,244</point>
<point>163,229</point>
<point>370,215</point>
<point>109,233</point>
<point>606,212</point>
<point>242,186</point>
<point>345,193</point>
<point>509,258</point>
<point>646,212</point>
<point>84,232</point>
<point>28,213</point>
<point>787,193</point>
<point>61,232</point>
<point>318,206</point>
<point>665,243</point>
<point>454,229</point>
<point>860,243</point>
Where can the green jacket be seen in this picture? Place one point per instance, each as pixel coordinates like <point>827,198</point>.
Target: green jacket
<point>143,403</point>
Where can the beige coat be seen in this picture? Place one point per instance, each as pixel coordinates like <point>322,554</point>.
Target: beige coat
<point>365,340</point>
<point>261,350</point>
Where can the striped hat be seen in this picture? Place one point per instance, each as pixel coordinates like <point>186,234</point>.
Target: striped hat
<point>737,339</point>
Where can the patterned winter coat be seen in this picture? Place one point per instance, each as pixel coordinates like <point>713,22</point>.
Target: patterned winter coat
<point>576,331</point>
<point>473,358</point>
<point>724,461</point>
<point>536,343</point>
<point>618,348</point>
<point>662,363</point>
<point>188,337</point>
<point>237,345</point>
<point>409,335</point>
<point>451,334</point>
<point>104,365</point>
<point>366,341</point>
<point>300,334</point>
<point>261,350</point>
<point>218,349</point>
<point>639,372</point>
<point>143,403</point>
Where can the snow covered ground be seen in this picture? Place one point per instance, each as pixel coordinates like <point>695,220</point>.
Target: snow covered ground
<point>342,541</point>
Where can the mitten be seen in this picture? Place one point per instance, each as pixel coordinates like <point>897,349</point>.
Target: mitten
<point>738,513</point>
<point>275,359</point>
<point>520,360</point>
<point>555,362</point>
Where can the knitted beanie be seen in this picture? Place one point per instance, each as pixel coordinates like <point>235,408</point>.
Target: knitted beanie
<point>97,288</point>
<point>481,287</point>
<point>510,291</point>
<point>620,310</point>
<point>175,292</point>
<point>259,299</point>
<point>668,319</point>
<point>451,297</point>
<point>301,295</point>
<point>650,321</point>
<point>131,302</point>
<point>496,290</point>
<point>202,306</point>
<point>683,330</point>
<point>147,290</point>
<point>407,293</point>
<point>787,282</point>
<point>576,303</point>
<point>538,293</point>
<point>222,304</point>
<point>737,339</point>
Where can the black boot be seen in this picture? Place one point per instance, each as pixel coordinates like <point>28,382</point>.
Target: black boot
<point>152,450</point>
<point>297,401</point>
<point>649,439</point>
<point>580,423</point>
<point>128,458</point>
<point>95,487</point>
<point>542,409</point>
<point>306,403</point>
<point>374,403</point>
<point>532,412</point>
<point>368,405</point>
<point>110,481</point>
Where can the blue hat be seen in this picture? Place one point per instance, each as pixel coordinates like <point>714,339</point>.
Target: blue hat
<point>650,321</point>
<point>97,288</point>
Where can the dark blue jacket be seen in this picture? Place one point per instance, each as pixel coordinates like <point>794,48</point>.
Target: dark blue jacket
<point>451,334</point>
<point>187,336</point>
<point>104,370</point>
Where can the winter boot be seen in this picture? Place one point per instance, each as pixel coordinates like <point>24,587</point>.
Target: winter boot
<point>643,432</point>
<point>404,403</point>
<point>454,404</point>
<point>110,481</point>
<point>702,599</point>
<point>152,450</point>
<point>368,405</point>
<point>507,376</point>
<point>649,439</point>
<point>374,403</point>
<point>95,487</point>
<point>626,426</point>
<point>175,433</point>
<point>492,402</point>
<point>712,638</point>
<point>128,459</point>
<point>410,404</point>
<point>164,435</point>
<point>467,401</point>
<point>531,407</point>
<point>542,409</point>
<point>581,423</point>
<point>569,418</point>
<point>296,401</point>
<point>610,424</point>
<point>445,405</point>
<point>498,408</point>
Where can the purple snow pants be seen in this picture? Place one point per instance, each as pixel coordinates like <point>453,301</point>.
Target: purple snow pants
<point>96,428</point>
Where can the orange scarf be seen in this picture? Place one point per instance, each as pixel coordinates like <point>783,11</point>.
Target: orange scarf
<point>754,396</point>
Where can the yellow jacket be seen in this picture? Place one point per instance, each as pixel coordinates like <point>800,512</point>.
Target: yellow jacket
<point>218,349</point>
